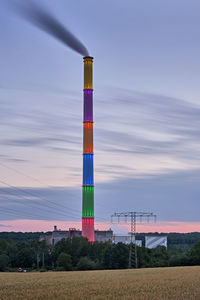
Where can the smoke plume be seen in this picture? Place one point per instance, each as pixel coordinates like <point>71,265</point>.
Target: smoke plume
<point>42,19</point>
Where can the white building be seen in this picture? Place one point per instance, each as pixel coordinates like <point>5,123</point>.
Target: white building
<point>154,241</point>
<point>125,239</point>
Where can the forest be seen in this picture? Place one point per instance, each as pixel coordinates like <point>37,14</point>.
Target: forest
<point>78,254</point>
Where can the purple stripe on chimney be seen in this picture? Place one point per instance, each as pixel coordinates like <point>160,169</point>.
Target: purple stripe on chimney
<point>88,105</point>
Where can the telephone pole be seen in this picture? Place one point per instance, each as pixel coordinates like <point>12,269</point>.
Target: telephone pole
<point>132,217</point>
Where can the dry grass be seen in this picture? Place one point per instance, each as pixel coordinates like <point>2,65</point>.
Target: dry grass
<point>161,283</point>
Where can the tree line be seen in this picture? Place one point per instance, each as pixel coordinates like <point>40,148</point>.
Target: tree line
<point>78,254</point>
<point>181,241</point>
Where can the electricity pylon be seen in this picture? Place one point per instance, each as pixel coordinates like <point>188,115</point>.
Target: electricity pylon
<point>132,216</point>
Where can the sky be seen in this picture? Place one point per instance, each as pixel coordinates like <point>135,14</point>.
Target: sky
<point>146,114</point>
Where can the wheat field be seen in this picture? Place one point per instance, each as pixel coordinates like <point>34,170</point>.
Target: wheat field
<point>159,283</point>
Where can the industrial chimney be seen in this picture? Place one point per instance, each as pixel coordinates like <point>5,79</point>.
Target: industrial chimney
<point>88,180</point>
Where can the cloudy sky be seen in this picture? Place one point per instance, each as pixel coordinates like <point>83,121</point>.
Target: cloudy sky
<point>146,112</point>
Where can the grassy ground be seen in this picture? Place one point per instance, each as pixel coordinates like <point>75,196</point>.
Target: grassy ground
<point>160,283</point>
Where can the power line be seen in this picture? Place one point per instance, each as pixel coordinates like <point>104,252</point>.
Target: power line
<point>74,212</point>
<point>132,217</point>
<point>37,180</point>
<point>16,213</point>
<point>40,204</point>
<point>34,195</point>
<point>21,173</point>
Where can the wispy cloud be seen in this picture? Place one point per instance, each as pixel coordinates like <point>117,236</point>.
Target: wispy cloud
<point>173,197</point>
<point>136,134</point>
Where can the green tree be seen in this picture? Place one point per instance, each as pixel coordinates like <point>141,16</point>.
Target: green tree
<point>86,264</point>
<point>12,253</point>
<point>159,257</point>
<point>144,257</point>
<point>120,255</point>
<point>107,257</point>
<point>179,259</point>
<point>80,248</point>
<point>195,253</point>
<point>25,257</point>
<point>64,261</point>
<point>96,253</point>
<point>4,259</point>
<point>3,245</point>
<point>63,245</point>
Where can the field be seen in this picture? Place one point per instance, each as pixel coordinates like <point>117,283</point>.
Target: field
<point>160,283</point>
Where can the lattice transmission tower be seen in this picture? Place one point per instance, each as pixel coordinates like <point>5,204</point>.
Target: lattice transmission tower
<point>131,217</point>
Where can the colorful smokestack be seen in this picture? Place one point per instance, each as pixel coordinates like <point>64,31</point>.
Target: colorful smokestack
<point>88,173</point>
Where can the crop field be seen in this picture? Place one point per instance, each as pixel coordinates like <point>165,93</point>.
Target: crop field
<point>159,283</point>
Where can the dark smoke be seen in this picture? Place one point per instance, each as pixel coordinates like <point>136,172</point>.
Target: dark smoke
<point>48,23</point>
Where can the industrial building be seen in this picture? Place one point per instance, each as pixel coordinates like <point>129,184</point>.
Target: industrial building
<point>57,235</point>
<point>155,241</point>
<point>126,239</point>
<point>99,236</point>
